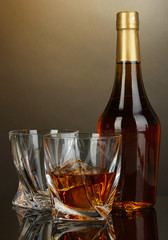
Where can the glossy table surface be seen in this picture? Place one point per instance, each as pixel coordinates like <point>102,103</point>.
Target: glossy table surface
<point>147,225</point>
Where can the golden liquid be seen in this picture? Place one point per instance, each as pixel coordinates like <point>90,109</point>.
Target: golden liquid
<point>82,192</point>
<point>130,113</point>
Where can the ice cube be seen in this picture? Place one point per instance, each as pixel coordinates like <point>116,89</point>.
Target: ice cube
<point>88,169</point>
<point>69,163</point>
<point>70,166</point>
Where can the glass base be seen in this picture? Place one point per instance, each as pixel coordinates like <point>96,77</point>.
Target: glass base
<point>62,212</point>
<point>83,230</point>
<point>33,201</point>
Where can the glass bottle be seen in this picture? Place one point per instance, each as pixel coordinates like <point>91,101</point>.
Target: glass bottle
<point>129,112</point>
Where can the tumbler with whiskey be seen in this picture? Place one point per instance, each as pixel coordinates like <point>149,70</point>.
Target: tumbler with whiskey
<point>82,174</point>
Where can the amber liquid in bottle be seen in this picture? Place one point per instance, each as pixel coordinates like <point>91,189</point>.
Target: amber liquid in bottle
<point>129,112</point>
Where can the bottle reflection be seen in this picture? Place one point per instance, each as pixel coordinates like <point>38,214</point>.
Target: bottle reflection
<point>137,226</point>
<point>121,226</point>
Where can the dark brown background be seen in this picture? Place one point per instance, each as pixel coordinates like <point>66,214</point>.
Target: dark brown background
<point>57,63</point>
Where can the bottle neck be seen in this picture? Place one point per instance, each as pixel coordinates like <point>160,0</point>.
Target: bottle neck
<point>128,91</point>
<point>128,46</point>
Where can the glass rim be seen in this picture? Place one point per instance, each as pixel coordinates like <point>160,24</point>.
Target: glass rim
<point>39,132</point>
<point>83,135</point>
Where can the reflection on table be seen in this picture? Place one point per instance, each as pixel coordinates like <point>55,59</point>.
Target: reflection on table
<point>121,226</point>
<point>137,226</point>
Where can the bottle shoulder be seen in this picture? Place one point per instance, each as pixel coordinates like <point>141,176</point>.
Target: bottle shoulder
<point>122,119</point>
<point>131,108</point>
<point>128,106</point>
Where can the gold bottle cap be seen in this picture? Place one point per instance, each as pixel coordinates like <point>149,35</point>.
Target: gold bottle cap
<point>127,20</point>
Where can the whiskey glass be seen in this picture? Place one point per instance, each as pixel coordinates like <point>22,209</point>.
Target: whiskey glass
<point>28,156</point>
<point>82,173</point>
